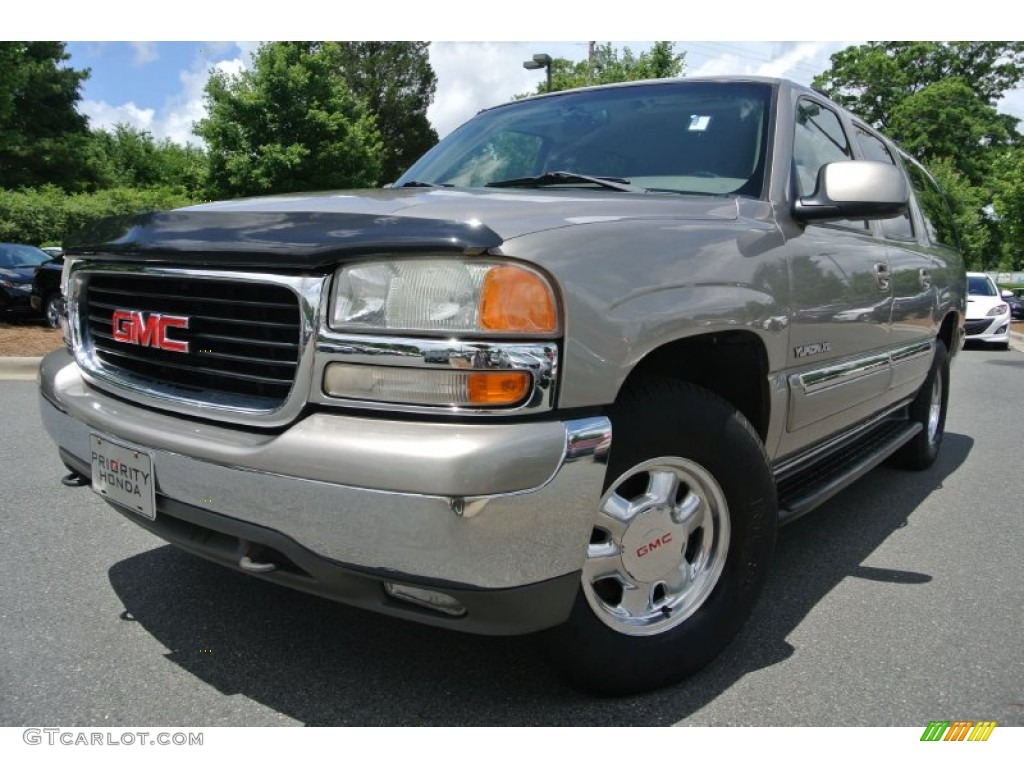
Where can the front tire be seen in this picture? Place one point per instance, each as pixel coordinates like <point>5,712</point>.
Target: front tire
<point>680,546</point>
<point>51,310</point>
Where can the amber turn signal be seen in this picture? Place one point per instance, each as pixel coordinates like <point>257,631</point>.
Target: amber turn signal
<point>516,300</point>
<point>498,388</point>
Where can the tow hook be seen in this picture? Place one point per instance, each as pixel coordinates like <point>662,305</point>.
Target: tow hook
<point>74,480</point>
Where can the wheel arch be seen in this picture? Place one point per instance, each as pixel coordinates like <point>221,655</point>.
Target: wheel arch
<point>732,364</point>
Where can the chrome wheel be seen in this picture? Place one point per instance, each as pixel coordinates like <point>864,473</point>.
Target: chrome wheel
<point>53,311</point>
<point>935,410</point>
<point>658,546</point>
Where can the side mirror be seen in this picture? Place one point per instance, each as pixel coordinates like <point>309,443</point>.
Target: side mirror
<point>855,189</point>
<point>1006,294</point>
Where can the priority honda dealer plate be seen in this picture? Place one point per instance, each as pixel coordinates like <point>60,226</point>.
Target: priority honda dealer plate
<point>123,475</point>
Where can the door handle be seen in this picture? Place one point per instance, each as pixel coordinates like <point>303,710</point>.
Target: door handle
<point>882,276</point>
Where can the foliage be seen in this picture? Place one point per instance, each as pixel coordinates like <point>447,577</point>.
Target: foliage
<point>875,78</point>
<point>47,214</point>
<point>938,101</point>
<point>947,119</point>
<point>290,123</point>
<point>131,157</point>
<point>966,202</point>
<point>609,66</point>
<point>43,139</point>
<point>397,83</point>
<point>1008,205</point>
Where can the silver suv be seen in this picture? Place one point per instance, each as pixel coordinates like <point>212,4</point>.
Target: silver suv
<point>569,373</point>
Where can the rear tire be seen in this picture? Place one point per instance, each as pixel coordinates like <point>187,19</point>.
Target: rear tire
<point>681,542</point>
<point>929,410</point>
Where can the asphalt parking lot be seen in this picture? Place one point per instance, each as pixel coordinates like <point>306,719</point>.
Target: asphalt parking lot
<point>896,603</point>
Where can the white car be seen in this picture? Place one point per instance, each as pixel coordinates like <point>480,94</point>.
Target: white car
<point>988,316</point>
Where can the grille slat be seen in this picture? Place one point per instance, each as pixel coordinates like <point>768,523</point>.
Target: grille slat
<point>174,297</point>
<point>243,337</point>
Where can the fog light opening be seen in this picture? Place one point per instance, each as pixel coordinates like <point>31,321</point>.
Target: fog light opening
<point>425,598</point>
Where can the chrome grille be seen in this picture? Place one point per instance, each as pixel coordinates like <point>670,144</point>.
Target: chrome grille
<point>244,337</point>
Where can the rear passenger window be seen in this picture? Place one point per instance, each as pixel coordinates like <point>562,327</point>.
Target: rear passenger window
<point>938,219</point>
<point>819,139</point>
<point>873,148</point>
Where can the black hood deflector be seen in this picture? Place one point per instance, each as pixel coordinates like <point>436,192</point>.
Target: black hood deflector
<point>278,239</point>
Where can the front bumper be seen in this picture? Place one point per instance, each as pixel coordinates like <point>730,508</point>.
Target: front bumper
<point>471,509</point>
<point>988,329</point>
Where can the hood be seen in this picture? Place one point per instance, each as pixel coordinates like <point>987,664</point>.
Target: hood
<point>314,230</point>
<point>18,274</point>
<point>979,306</point>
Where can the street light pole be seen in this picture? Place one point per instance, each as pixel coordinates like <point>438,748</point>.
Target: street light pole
<point>540,60</point>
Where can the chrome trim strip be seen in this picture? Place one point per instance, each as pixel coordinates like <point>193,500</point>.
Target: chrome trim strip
<point>538,358</point>
<point>788,466</point>
<point>835,375</point>
<point>851,370</point>
<point>235,409</point>
<point>910,351</point>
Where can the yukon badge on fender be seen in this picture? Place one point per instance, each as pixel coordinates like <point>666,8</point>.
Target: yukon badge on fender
<point>134,327</point>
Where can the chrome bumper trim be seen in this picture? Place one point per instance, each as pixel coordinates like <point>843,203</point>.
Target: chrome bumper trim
<point>514,505</point>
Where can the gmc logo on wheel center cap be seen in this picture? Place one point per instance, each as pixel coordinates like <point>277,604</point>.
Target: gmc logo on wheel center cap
<point>653,545</point>
<point>130,326</point>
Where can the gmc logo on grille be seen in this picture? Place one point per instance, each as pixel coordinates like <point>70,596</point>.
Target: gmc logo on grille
<point>134,327</point>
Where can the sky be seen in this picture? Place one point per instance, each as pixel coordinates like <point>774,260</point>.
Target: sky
<point>158,86</point>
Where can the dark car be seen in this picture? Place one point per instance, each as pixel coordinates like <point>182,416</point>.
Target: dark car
<point>1016,302</point>
<point>17,269</point>
<point>46,298</point>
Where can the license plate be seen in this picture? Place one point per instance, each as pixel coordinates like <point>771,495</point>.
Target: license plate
<point>123,475</point>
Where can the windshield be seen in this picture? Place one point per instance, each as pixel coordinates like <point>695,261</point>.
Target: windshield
<point>696,137</point>
<point>21,256</point>
<point>980,286</point>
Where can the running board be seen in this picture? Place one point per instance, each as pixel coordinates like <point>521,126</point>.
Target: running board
<point>805,488</point>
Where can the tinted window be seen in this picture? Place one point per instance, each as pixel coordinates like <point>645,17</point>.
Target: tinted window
<point>938,220</point>
<point>873,148</point>
<point>703,138</point>
<point>819,139</point>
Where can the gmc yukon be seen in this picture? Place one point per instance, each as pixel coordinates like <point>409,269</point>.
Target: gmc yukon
<point>569,373</point>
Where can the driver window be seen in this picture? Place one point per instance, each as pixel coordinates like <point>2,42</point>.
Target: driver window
<point>819,139</point>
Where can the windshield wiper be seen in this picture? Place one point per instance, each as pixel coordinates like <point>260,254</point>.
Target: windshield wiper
<point>567,177</point>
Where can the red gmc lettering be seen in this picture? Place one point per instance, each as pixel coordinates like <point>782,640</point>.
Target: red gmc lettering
<point>133,327</point>
<point>653,545</point>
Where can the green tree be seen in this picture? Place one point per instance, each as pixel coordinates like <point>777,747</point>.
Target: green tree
<point>397,83</point>
<point>966,202</point>
<point>874,78</point>
<point>610,66</point>
<point>947,119</point>
<point>290,123</point>
<point>1008,206</point>
<point>131,157</point>
<point>43,139</point>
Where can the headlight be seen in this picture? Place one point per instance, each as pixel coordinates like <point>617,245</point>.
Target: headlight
<point>443,296</point>
<point>998,309</point>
